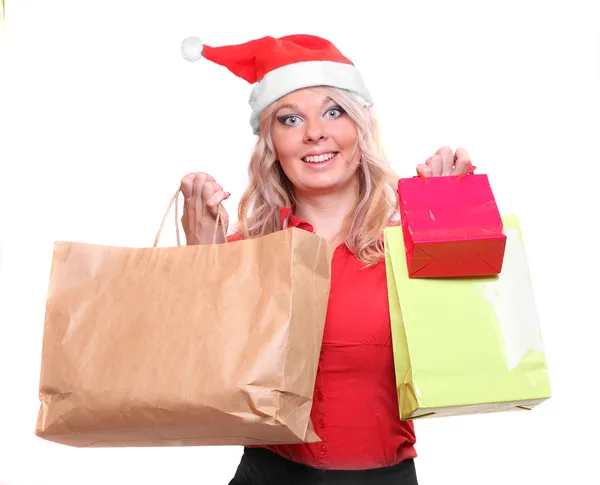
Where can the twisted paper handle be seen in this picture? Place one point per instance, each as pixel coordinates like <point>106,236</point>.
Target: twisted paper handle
<point>219,222</point>
<point>174,200</point>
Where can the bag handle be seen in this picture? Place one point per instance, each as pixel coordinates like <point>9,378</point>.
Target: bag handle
<point>175,200</point>
<point>219,222</point>
<point>469,171</point>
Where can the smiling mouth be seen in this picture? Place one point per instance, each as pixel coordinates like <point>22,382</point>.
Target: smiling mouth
<point>320,158</point>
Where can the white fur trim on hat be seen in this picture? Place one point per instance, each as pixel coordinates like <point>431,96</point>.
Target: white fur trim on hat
<point>191,49</point>
<point>286,79</point>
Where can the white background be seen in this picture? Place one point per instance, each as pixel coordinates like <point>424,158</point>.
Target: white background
<point>100,117</point>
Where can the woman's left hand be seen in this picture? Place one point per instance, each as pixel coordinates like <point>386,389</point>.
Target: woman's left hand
<point>445,162</point>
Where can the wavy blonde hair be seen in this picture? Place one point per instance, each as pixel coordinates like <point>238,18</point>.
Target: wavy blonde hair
<point>270,190</point>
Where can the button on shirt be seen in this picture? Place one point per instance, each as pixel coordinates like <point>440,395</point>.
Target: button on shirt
<point>355,406</point>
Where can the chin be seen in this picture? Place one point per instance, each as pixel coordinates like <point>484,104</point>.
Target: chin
<point>322,185</point>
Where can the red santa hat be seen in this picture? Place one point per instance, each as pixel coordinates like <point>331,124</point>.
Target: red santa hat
<point>277,66</point>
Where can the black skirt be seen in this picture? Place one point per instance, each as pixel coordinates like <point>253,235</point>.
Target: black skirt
<point>260,466</point>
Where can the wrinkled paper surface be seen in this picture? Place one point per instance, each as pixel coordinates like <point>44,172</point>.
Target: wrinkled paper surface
<point>192,345</point>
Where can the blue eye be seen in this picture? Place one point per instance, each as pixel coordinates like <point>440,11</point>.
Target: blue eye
<point>289,120</point>
<point>292,120</point>
<point>334,112</point>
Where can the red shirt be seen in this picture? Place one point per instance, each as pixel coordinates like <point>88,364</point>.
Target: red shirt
<point>355,407</point>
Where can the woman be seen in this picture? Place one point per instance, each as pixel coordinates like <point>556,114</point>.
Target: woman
<point>318,166</point>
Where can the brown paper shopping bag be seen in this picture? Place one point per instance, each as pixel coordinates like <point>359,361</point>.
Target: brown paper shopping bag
<point>187,345</point>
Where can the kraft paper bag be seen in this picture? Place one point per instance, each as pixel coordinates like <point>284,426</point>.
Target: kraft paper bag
<point>188,345</point>
<point>452,226</point>
<point>465,345</point>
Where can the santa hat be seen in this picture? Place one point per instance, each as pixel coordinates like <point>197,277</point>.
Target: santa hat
<point>277,66</point>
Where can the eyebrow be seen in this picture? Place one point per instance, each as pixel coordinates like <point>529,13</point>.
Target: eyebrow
<point>289,106</point>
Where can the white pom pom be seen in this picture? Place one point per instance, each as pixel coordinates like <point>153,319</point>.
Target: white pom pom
<point>191,49</point>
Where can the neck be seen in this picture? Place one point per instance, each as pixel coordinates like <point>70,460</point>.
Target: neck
<point>327,212</point>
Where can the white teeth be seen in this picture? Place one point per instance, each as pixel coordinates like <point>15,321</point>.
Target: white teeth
<point>319,158</point>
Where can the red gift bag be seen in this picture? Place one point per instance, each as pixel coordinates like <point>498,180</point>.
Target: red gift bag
<point>452,226</point>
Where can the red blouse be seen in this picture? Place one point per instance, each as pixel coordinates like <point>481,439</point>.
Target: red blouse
<point>355,407</point>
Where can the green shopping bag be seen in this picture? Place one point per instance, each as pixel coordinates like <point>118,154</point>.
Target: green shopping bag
<point>465,345</point>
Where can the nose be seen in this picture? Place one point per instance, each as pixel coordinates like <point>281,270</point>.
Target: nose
<point>315,130</point>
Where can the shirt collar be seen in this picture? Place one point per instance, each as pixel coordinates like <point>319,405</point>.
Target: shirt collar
<point>294,221</point>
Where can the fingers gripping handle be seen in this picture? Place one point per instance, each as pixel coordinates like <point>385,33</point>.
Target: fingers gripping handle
<point>174,200</point>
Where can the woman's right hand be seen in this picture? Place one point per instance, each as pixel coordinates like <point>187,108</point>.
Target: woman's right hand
<point>202,195</point>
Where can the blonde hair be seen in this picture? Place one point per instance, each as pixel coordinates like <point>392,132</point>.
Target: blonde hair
<point>269,189</point>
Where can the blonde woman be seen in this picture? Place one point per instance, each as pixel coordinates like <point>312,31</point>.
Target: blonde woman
<point>318,165</point>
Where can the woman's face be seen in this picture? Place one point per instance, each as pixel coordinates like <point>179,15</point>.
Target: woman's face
<point>315,141</point>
